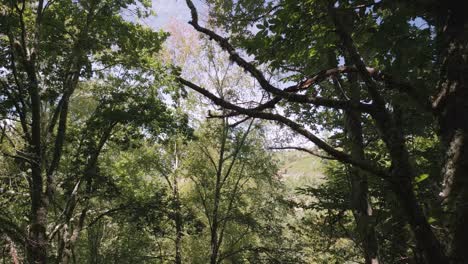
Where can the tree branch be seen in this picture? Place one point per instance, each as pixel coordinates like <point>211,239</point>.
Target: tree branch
<point>339,155</point>
<point>264,83</point>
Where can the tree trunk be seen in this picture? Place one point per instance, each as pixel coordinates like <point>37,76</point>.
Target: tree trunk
<point>178,224</point>
<point>362,210</point>
<point>70,240</point>
<point>361,207</point>
<point>178,221</point>
<point>37,240</point>
<point>424,236</point>
<point>402,176</point>
<point>215,241</point>
<point>214,228</point>
<point>392,134</point>
<point>451,105</point>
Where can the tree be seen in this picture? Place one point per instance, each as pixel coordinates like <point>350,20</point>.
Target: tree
<point>48,48</point>
<point>227,173</point>
<point>393,86</point>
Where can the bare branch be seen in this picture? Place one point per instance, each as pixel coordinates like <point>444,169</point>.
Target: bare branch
<point>239,122</point>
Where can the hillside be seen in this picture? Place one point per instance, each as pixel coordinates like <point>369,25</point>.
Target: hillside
<point>299,168</point>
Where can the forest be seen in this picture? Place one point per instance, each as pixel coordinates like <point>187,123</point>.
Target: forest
<point>234,131</point>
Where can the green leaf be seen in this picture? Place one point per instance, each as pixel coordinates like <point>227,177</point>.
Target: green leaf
<point>421,177</point>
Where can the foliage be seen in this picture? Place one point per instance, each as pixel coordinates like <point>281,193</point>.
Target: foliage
<point>106,154</point>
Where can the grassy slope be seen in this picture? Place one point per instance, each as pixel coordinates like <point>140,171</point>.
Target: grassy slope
<point>299,168</point>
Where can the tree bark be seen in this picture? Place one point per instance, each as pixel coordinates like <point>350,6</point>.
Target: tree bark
<point>451,105</point>
<point>69,242</point>
<point>424,236</point>
<point>215,221</point>
<point>176,206</point>
<point>177,211</point>
<point>179,232</point>
<point>401,180</point>
<point>362,210</point>
<point>215,241</point>
<point>37,241</point>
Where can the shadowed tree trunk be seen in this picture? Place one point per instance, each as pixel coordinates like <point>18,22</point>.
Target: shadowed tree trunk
<point>37,242</point>
<point>360,203</point>
<point>214,229</point>
<point>179,225</point>
<point>401,172</point>
<point>451,105</point>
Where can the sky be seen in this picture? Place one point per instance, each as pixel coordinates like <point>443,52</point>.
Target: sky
<point>168,10</point>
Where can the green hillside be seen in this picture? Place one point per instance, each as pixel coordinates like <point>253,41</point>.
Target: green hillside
<point>299,168</point>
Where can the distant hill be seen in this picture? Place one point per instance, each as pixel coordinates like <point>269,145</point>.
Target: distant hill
<point>299,168</point>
